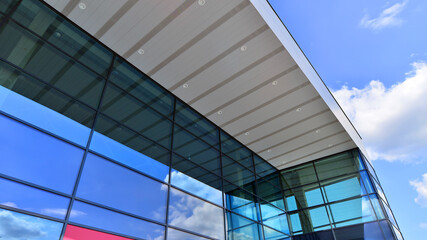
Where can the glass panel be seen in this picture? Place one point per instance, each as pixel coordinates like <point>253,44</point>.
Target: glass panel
<point>397,233</point>
<point>385,226</point>
<point>74,233</point>
<point>20,226</point>
<point>195,150</point>
<point>310,220</point>
<point>196,180</point>
<point>353,211</point>
<point>380,191</point>
<point>369,231</point>
<point>237,174</point>
<point>389,214</point>
<point>359,157</point>
<point>271,234</point>
<point>131,112</point>
<point>31,199</point>
<point>6,5</point>
<point>111,221</point>
<point>61,33</point>
<point>343,187</point>
<point>270,193</point>
<point>367,182</point>
<point>178,235</point>
<point>337,165</point>
<point>236,151</point>
<point>132,81</point>
<point>196,124</point>
<point>298,176</point>
<point>48,64</point>
<point>377,207</point>
<point>321,235</point>
<point>371,170</point>
<point>33,156</point>
<point>274,217</point>
<point>34,102</point>
<point>303,197</point>
<point>195,215</point>
<point>239,228</point>
<point>123,145</point>
<point>115,186</point>
<point>241,202</point>
<point>262,168</point>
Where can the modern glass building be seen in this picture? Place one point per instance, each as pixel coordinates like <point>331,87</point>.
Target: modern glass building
<point>173,119</point>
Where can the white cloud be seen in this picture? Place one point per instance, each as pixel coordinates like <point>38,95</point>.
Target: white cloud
<point>423,225</point>
<point>421,188</point>
<point>15,228</point>
<point>388,17</point>
<point>62,212</point>
<point>392,121</point>
<point>10,204</point>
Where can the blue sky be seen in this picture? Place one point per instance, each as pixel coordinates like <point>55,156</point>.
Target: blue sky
<point>372,55</point>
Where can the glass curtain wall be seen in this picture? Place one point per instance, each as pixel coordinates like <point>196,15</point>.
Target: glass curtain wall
<point>92,148</point>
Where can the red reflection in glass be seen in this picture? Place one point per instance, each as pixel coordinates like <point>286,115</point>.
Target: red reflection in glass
<point>78,233</point>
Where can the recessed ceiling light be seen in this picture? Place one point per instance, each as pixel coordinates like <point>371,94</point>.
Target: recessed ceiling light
<point>317,131</point>
<point>58,34</point>
<point>202,2</point>
<point>140,51</point>
<point>185,85</point>
<point>219,112</point>
<point>243,48</point>
<point>246,133</point>
<point>275,83</point>
<point>299,109</point>
<point>269,150</point>
<point>82,6</point>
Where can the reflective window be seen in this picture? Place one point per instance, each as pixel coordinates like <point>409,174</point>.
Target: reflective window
<point>367,182</point>
<point>298,176</point>
<point>179,235</point>
<point>36,157</point>
<point>31,199</point>
<point>195,215</point>
<point>343,187</point>
<point>74,232</point>
<point>397,233</point>
<point>235,150</point>
<point>271,234</point>
<point>196,124</point>
<point>132,113</point>
<point>242,202</point>
<point>196,180</point>
<point>242,228</point>
<point>377,207</point>
<point>310,220</point>
<point>369,231</point>
<point>337,165</point>
<point>353,211</point>
<point>115,186</point>
<point>303,197</point>
<point>191,148</point>
<point>6,5</point>
<point>262,168</point>
<point>321,235</point>
<point>115,222</point>
<point>389,214</point>
<point>20,226</point>
<point>274,217</point>
<point>270,193</point>
<point>385,226</point>
<point>123,145</point>
<point>237,174</point>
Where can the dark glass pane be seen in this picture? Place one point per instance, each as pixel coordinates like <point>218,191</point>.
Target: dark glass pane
<point>236,151</point>
<point>115,186</point>
<point>242,228</point>
<point>273,178</point>
<point>61,33</point>
<point>237,174</point>
<point>271,234</point>
<point>123,145</point>
<point>115,222</point>
<point>343,187</point>
<point>298,176</point>
<point>32,199</point>
<point>350,212</point>
<point>132,81</point>
<point>303,197</point>
<point>270,193</point>
<point>274,218</point>
<point>178,235</point>
<point>196,124</point>
<point>21,226</point>
<point>48,64</point>
<point>310,220</point>
<point>321,235</point>
<point>38,104</point>
<point>337,165</point>
<point>369,231</point>
<point>377,207</point>
<point>195,215</point>
<point>262,168</point>
<point>79,233</point>
<point>34,156</point>
<point>196,180</point>
<point>385,226</point>
<point>242,202</point>
<point>131,112</point>
<point>195,150</point>
<point>6,5</point>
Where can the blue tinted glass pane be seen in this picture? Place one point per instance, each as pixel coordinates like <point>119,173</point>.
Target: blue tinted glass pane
<point>262,168</point>
<point>342,188</point>
<point>369,231</point>
<point>352,211</point>
<point>298,176</point>
<point>242,202</point>
<point>359,157</point>
<point>307,196</point>
<point>380,191</point>
<point>115,186</point>
<point>195,215</point>
<point>310,220</point>
<point>336,165</point>
<point>271,234</point>
<point>397,233</point>
<point>178,235</point>
<point>196,180</point>
<point>274,218</point>
<point>367,182</point>
<point>36,157</point>
<point>270,193</point>
<point>236,151</point>
<point>31,199</point>
<point>241,228</point>
<point>111,221</point>
<point>389,214</point>
<point>237,174</point>
<point>20,226</point>
<point>377,207</point>
<point>385,226</point>
<point>120,144</point>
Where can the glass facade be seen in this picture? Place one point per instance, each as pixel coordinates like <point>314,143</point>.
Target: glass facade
<point>92,148</point>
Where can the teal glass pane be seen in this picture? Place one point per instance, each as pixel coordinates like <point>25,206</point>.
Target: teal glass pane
<point>271,234</point>
<point>336,165</point>
<point>360,158</point>
<point>195,150</point>
<point>353,211</point>
<point>6,5</point>
<point>274,218</point>
<point>310,220</point>
<point>196,124</point>
<point>377,207</point>
<point>61,33</point>
<point>235,150</point>
<point>132,113</point>
<point>342,187</point>
<point>196,180</point>
<point>237,174</point>
<point>36,103</point>
<point>270,193</point>
<point>262,168</point>
<point>26,51</point>
<point>238,227</point>
<point>303,197</point>
<point>135,83</point>
<point>241,202</point>
<point>273,178</point>
<point>21,226</point>
<point>179,235</point>
<point>297,176</point>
